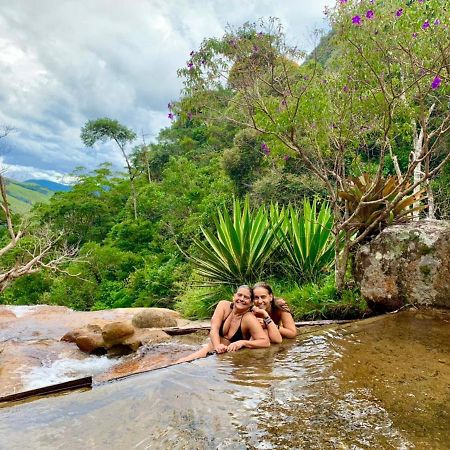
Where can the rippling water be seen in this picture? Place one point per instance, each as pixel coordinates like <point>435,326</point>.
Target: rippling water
<point>378,384</point>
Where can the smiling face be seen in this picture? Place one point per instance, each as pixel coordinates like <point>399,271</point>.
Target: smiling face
<point>243,298</point>
<point>262,298</point>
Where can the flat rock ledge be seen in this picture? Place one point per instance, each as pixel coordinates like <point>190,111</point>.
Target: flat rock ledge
<point>406,264</point>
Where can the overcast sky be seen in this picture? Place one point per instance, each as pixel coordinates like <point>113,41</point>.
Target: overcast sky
<point>63,62</point>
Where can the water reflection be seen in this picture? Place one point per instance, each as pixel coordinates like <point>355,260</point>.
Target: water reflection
<point>380,384</point>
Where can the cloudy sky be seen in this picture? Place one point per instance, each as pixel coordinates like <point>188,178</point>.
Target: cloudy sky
<point>63,62</point>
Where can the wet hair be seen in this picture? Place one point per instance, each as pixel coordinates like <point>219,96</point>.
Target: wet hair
<point>265,286</point>
<point>246,286</point>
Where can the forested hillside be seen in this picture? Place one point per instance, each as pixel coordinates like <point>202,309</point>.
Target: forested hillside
<point>258,123</point>
<point>23,195</point>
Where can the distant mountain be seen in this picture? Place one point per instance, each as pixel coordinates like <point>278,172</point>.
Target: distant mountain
<point>23,195</point>
<point>50,185</point>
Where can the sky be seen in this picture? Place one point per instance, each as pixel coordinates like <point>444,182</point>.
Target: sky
<point>63,62</point>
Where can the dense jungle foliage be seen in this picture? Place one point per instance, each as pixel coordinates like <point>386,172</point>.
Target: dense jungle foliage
<point>197,201</point>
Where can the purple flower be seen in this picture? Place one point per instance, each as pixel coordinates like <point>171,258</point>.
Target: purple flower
<point>203,62</point>
<point>372,1</point>
<point>170,116</point>
<point>345,88</point>
<point>414,35</point>
<point>399,12</point>
<point>255,49</point>
<point>370,14</point>
<point>436,82</point>
<point>189,115</point>
<point>420,1</point>
<point>426,25</point>
<point>343,1</point>
<point>437,22</point>
<point>356,20</point>
<point>286,157</point>
<point>265,149</point>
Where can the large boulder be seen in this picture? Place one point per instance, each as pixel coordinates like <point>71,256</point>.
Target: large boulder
<point>406,264</point>
<point>116,332</point>
<point>145,336</point>
<point>155,318</point>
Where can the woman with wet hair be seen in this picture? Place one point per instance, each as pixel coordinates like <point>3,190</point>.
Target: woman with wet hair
<point>233,327</point>
<point>274,313</point>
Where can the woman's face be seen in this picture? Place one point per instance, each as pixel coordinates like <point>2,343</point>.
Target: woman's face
<point>262,298</point>
<point>242,298</point>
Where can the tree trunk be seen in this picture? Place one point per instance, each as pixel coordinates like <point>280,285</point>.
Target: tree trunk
<point>341,261</point>
<point>416,153</point>
<point>134,199</point>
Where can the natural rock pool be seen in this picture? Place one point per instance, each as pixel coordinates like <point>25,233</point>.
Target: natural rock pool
<point>381,383</point>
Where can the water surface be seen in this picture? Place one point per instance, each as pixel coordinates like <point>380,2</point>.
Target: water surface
<point>382,383</point>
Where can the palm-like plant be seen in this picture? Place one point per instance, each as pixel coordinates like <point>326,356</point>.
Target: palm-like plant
<point>378,194</point>
<point>306,238</point>
<point>239,249</point>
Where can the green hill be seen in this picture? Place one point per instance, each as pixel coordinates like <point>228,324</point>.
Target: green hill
<point>22,196</point>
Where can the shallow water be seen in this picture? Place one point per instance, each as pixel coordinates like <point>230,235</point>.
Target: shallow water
<point>382,383</point>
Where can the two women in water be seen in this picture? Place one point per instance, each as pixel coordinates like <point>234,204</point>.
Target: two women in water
<point>233,326</point>
<point>243,323</point>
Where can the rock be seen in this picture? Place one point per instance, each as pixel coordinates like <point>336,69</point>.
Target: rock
<point>90,343</point>
<point>6,314</point>
<point>155,318</point>
<point>406,264</point>
<point>145,336</point>
<point>114,333</point>
<point>71,336</point>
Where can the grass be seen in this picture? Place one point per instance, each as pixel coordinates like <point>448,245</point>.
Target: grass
<point>311,301</point>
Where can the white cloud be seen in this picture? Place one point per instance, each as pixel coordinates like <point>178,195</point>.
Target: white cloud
<point>64,62</point>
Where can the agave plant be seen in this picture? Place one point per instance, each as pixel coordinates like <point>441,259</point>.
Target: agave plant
<point>380,193</point>
<point>307,238</point>
<point>239,249</point>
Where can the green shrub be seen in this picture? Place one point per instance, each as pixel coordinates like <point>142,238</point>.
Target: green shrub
<point>239,249</point>
<point>199,302</point>
<point>320,300</point>
<point>306,238</point>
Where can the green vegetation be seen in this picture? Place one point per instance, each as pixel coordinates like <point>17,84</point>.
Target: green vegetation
<point>270,168</point>
<point>22,196</point>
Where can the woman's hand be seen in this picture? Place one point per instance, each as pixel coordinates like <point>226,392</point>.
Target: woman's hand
<point>221,348</point>
<point>235,346</point>
<point>259,312</point>
<point>281,303</point>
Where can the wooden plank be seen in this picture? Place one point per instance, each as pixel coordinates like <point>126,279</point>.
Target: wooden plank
<point>46,390</point>
<point>177,331</point>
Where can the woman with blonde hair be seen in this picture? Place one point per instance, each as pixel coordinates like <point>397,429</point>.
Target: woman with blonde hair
<point>233,327</point>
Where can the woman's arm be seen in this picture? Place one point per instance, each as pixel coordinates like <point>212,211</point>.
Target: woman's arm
<point>272,329</point>
<point>216,322</point>
<point>259,337</point>
<point>287,328</point>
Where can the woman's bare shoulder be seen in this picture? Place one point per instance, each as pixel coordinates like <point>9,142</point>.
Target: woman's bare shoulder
<point>224,303</point>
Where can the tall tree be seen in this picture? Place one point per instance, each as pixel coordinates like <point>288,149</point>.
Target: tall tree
<point>105,129</point>
<point>390,63</point>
